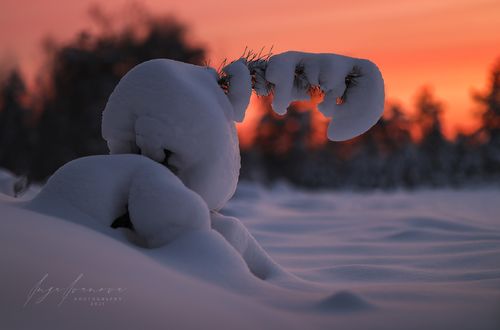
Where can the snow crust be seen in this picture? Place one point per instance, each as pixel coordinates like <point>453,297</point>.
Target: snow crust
<point>364,102</point>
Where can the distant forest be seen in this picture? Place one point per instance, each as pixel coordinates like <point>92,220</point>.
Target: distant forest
<point>59,120</point>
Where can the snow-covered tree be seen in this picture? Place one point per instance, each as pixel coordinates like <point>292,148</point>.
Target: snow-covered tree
<point>79,76</point>
<point>490,102</point>
<point>435,152</point>
<point>15,126</point>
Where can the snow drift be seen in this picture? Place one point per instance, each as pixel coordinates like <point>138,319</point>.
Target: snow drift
<point>426,259</point>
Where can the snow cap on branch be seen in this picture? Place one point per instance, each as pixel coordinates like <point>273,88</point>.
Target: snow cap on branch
<point>353,88</point>
<point>239,88</point>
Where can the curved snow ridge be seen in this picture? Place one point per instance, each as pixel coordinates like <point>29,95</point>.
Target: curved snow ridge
<point>258,261</point>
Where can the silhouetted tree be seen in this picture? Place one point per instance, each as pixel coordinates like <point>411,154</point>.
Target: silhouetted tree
<point>15,130</point>
<point>283,142</point>
<point>81,75</point>
<point>490,101</point>
<point>468,162</point>
<point>435,152</point>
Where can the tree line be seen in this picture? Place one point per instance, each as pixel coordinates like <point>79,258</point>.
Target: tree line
<point>43,128</point>
<point>401,150</point>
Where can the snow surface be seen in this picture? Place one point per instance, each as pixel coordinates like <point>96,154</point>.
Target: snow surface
<point>401,260</point>
<point>280,259</point>
<point>12,185</point>
<point>158,205</point>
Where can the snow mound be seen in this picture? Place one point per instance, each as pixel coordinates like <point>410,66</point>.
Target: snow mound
<point>354,89</point>
<point>12,185</point>
<point>159,289</point>
<point>344,301</point>
<point>177,114</point>
<point>240,88</point>
<point>161,208</point>
<point>257,260</point>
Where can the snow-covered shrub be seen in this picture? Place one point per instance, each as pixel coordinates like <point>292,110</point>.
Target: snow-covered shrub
<point>180,118</point>
<point>106,187</point>
<point>176,113</point>
<point>183,115</point>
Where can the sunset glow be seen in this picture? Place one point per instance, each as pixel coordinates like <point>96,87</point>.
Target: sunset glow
<point>449,45</point>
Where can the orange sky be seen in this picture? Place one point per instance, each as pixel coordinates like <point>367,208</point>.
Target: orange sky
<point>448,44</point>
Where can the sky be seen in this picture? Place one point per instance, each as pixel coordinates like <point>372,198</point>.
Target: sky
<point>449,45</point>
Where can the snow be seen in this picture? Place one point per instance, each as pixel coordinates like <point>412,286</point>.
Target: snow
<point>166,107</point>
<point>236,234</point>
<point>160,207</point>
<point>177,114</point>
<point>240,88</point>
<point>156,296</point>
<point>106,187</point>
<point>268,259</point>
<point>11,184</point>
<point>401,260</point>
<point>364,102</point>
